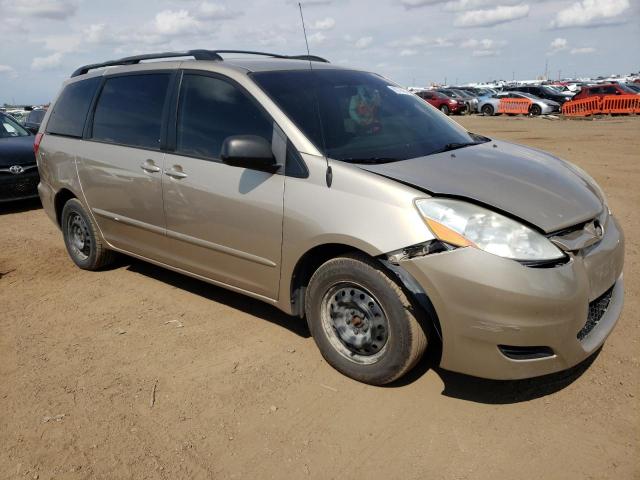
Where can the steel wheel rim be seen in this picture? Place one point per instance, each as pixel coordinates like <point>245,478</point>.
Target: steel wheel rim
<point>355,323</point>
<point>79,237</point>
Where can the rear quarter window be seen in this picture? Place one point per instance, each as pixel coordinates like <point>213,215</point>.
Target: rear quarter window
<point>129,110</point>
<point>70,111</point>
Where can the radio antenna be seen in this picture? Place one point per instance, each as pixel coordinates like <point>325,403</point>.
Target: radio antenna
<point>304,30</point>
<point>329,174</point>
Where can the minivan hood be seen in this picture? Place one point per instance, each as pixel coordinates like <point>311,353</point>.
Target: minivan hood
<point>537,187</point>
<point>16,151</point>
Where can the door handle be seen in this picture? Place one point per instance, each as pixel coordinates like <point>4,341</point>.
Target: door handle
<point>149,166</point>
<point>173,173</point>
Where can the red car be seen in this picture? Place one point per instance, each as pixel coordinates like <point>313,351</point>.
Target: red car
<point>602,90</point>
<point>443,103</point>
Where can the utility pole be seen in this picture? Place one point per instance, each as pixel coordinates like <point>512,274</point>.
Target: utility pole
<point>546,69</point>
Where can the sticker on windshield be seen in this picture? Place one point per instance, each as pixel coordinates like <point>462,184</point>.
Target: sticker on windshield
<point>398,90</point>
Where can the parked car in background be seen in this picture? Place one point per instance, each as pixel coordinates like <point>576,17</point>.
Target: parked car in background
<point>633,86</point>
<point>18,115</point>
<point>460,97</point>
<point>603,90</point>
<point>470,99</point>
<point>539,106</point>
<point>541,91</point>
<point>34,118</point>
<point>489,105</point>
<point>18,171</point>
<point>445,104</point>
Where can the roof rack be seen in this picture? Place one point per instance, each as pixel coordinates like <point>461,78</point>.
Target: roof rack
<point>213,55</point>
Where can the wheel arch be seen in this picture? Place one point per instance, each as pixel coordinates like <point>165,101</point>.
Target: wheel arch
<point>61,198</point>
<point>313,258</point>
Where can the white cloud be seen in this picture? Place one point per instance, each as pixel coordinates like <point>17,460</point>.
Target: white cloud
<point>46,63</point>
<point>324,24</point>
<point>363,42</point>
<point>485,53</point>
<point>420,3</point>
<point>462,5</point>
<point>213,11</point>
<point>582,50</point>
<point>7,70</point>
<point>557,45</point>
<point>49,9</point>
<point>494,16</point>
<point>483,44</point>
<point>317,37</point>
<point>591,13</point>
<point>408,52</point>
<point>420,41</point>
<point>178,22</point>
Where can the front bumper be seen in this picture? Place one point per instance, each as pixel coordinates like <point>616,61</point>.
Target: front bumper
<point>483,301</point>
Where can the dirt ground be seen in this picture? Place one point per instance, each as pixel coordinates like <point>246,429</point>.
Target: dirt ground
<point>137,372</point>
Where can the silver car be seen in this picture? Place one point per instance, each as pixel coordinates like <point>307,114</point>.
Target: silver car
<point>340,198</point>
<point>539,106</point>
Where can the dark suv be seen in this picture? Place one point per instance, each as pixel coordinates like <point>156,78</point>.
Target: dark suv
<point>34,119</point>
<point>542,91</point>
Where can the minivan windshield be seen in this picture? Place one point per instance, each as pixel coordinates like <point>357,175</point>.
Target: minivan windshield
<point>360,117</point>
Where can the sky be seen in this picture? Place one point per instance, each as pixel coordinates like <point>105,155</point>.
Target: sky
<point>414,42</point>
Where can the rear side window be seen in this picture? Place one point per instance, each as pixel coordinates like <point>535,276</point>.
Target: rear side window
<point>210,110</point>
<point>70,111</point>
<point>129,110</point>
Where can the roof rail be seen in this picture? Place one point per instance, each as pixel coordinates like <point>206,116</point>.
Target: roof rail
<point>197,54</point>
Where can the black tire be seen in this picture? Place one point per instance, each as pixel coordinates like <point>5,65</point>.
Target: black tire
<point>445,109</point>
<point>84,245</point>
<point>404,342</point>
<point>488,109</point>
<point>535,110</point>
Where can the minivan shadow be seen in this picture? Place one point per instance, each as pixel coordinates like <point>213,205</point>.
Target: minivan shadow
<point>217,294</point>
<point>19,206</point>
<point>494,392</point>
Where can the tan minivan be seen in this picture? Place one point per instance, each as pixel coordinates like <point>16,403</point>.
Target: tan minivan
<point>339,197</point>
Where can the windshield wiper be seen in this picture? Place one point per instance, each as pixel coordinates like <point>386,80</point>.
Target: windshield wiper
<point>454,146</point>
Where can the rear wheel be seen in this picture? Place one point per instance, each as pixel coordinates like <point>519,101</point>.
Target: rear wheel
<point>362,322</point>
<point>445,109</point>
<point>535,110</point>
<point>84,245</point>
<point>488,109</point>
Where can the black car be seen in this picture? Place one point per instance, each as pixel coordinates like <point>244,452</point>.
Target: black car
<point>34,119</point>
<point>542,91</point>
<point>18,170</point>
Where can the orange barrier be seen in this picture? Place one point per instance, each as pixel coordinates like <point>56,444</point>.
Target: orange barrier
<point>625,104</point>
<point>621,104</point>
<point>581,108</point>
<point>514,105</point>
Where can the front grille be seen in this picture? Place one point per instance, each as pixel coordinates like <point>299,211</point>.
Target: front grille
<point>17,186</point>
<point>596,311</point>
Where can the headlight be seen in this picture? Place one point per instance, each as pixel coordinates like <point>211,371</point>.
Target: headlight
<point>454,101</point>
<point>466,225</point>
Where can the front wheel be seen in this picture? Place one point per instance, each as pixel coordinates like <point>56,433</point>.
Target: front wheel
<point>362,322</point>
<point>84,245</point>
<point>488,109</point>
<point>445,109</point>
<point>535,110</point>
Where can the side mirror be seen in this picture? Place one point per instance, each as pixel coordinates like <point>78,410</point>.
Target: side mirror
<point>249,151</point>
